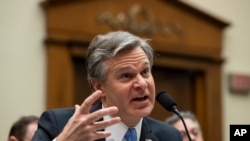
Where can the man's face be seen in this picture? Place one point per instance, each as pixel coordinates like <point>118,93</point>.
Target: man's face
<point>193,129</point>
<point>129,85</point>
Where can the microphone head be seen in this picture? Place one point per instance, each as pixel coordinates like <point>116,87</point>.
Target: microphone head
<point>166,101</point>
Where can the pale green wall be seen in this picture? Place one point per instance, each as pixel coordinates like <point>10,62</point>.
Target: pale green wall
<point>22,61</point>
<point>236,53</point>
<point>22,58</point>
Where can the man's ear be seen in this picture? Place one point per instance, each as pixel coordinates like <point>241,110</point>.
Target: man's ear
<point>12,138</point>
<point>96,85</point>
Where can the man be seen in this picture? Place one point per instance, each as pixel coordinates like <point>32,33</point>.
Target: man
<point>23,129</point>
<point>119,72</point>
<point>192,124</point>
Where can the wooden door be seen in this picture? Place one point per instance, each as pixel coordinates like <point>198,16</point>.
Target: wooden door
<point>82,88</point>
<point>179,84</point>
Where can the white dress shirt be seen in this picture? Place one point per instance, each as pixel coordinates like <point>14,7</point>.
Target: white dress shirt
<point>118,130</point>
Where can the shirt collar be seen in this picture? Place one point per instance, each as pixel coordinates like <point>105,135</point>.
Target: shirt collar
<point>118,130</point>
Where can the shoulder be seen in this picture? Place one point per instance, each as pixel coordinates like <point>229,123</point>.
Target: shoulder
<point>65,113</point>
<point>157,123</point>
<point>59,116</point>
<point>59,113</point>
<point>161,130</point>
<point>51,123</point>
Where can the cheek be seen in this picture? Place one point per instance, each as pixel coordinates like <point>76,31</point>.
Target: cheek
<point>151,86</point>
<point>151,81</point>
<point>116,94</point>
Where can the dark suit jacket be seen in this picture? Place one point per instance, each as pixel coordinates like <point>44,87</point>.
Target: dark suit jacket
<point>52,122</point>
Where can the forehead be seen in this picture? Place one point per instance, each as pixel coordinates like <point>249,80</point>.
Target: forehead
<point>133,56</point>
<point>136,51</point>
<point>31,128</point>
<point>190,123</point>
<point>128,50</point>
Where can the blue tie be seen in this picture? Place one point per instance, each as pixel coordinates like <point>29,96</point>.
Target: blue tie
<point>131,134</point>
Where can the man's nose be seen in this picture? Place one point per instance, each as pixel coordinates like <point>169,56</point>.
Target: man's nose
<point>140,82</point>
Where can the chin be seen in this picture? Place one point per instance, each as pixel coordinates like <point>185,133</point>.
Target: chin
<point>144,112</point>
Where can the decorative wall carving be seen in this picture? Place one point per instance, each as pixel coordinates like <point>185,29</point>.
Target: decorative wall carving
<point>139,20</point>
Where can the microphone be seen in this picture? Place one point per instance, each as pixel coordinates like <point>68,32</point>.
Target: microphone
<point>169,104</point>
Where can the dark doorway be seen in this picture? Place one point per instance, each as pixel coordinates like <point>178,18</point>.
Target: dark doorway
<point>179,84</point>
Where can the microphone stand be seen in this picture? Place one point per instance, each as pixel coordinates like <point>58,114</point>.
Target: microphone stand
<point>176,111</point>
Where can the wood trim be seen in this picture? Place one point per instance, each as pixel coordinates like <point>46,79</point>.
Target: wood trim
<point>191,51</point>
<point>175,55</point>
<point>177,3</point>
<point>60,83</point>
<point>213,103</point>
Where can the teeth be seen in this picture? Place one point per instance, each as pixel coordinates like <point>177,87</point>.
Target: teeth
<point>143,97</point>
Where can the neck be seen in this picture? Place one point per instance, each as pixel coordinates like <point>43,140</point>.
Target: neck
<point>130,122</point>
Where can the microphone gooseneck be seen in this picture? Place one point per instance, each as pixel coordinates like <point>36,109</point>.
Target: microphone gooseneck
<point>169,104</point>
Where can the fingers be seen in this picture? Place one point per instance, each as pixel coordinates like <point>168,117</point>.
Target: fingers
<point>101,134</point>
<point>83,125</point>
<point>84,109</point>
<point>103,124</point>
<point>89,101</point>
<point>90,125</point>
<point>99,126</point>
<point>102,112</point>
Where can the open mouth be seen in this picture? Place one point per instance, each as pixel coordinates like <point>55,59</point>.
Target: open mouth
<point>140,98</point>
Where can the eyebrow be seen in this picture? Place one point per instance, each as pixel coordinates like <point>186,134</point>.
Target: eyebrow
<point>125,68</point>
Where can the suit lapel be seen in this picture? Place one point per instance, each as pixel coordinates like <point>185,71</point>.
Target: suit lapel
<point>103,139</point>
<point>145,131</point>
<point>94,108</point>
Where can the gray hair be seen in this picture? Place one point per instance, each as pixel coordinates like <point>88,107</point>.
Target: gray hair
<point>185,114</point>
<point>107,46</point>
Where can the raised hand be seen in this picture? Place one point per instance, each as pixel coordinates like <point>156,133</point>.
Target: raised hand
<point>83,125</point>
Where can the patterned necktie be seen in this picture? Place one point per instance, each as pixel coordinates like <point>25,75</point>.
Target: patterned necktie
<point>131,134</point>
